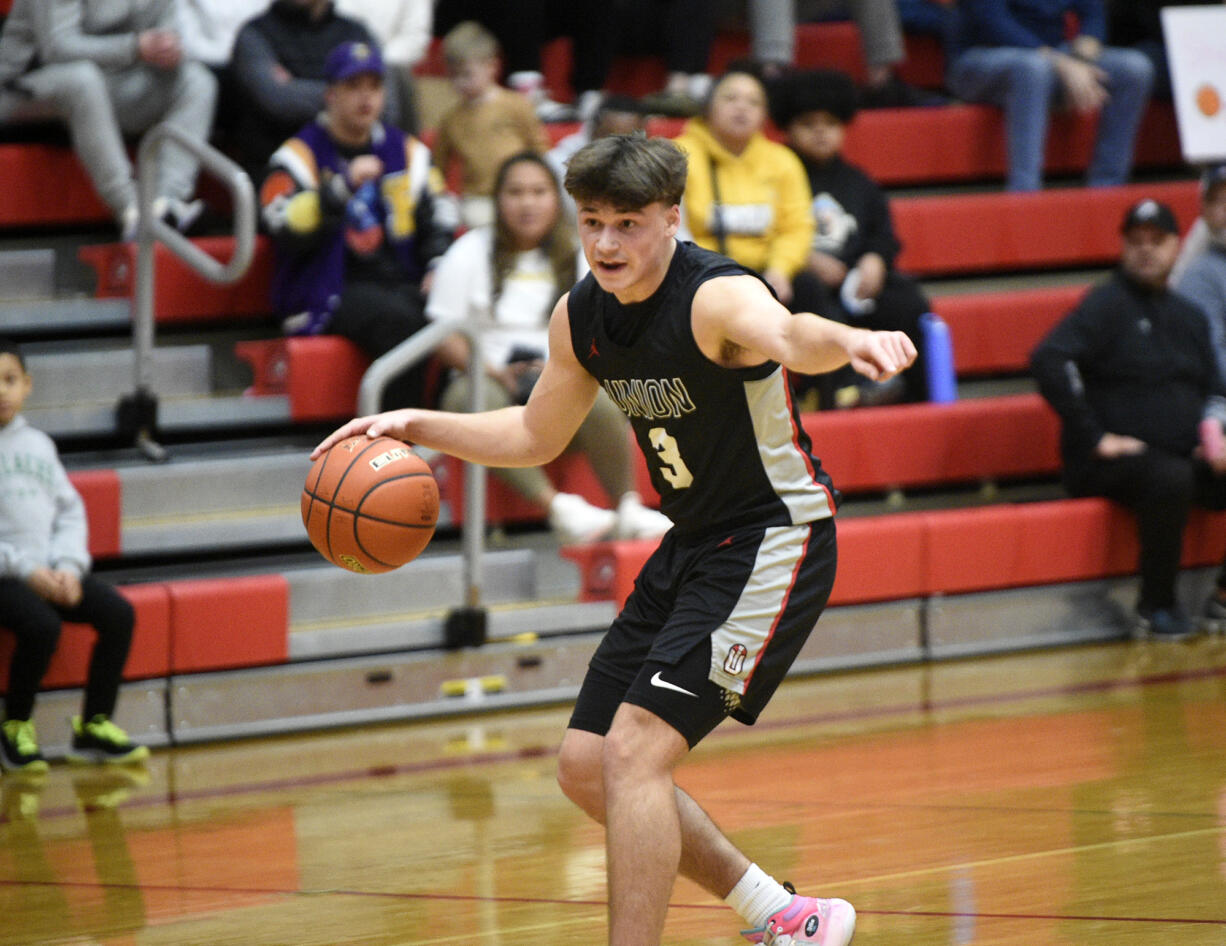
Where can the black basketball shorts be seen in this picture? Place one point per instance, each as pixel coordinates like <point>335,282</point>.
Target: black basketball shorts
<point>711,628</point>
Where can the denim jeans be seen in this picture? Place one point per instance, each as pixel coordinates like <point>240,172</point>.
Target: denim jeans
<point>1025,84</point>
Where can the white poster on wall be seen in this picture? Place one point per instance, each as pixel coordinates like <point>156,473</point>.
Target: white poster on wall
<point>1196,48</point>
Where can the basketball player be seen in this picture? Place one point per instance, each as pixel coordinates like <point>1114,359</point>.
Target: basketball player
<point>693,347</point>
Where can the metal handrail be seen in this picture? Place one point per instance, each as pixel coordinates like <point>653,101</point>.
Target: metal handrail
<point>151,229</point>
<point>413,349</point>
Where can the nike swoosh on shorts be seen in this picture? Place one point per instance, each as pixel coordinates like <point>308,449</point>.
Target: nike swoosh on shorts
<point>665,685</point>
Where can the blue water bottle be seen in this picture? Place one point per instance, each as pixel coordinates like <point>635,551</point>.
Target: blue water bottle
<point>939,359</point>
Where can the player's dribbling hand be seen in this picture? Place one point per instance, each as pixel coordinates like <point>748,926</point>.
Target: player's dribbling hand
<point>881,355</point>
<point>389,423</point>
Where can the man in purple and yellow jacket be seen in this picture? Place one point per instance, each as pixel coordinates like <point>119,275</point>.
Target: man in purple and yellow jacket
<point>358,213</point>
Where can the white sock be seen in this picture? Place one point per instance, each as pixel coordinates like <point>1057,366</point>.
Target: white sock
<point>757,896</point>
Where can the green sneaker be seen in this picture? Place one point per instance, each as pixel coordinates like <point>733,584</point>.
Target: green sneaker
<point>100,740</point>
<point>19,750</point>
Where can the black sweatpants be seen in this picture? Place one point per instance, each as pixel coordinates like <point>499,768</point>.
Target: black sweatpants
<point>37,624</point>
<point>899,307</point>
<point>377,317</point>
<point>1160,488</point>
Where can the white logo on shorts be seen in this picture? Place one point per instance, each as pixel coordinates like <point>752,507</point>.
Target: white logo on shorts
<point>665,685</point>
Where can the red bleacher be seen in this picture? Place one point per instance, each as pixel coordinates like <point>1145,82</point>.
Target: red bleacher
<point>967,143</point>
<point>917,445</point>
<point>183,627</point>
<point>44,185</point>
<point>100,491</point>
<point>179,293</point>
<point>969,233</point>
<point>994,332</point>
<point>952,551</point>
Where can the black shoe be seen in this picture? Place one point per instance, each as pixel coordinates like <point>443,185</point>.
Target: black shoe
<point>671,104</point>
<point>894,93</point>
<point>1165,624</point>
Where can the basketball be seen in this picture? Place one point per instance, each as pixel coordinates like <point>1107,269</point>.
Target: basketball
<point>370,504</point>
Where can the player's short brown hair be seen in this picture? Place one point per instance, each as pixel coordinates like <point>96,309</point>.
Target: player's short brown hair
<point>628,171</point>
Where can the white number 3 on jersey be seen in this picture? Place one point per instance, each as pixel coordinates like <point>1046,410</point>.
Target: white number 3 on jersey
<point>673,468</point>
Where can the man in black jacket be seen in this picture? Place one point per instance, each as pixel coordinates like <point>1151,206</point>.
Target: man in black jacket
<point>277,73</point>
<point>1132,375</point>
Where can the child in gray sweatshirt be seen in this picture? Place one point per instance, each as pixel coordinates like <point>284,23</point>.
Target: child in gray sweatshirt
<point>45,580</point>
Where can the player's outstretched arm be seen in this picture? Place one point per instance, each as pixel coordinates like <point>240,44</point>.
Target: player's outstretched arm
<point>737,322</point>
<point>513,436</point>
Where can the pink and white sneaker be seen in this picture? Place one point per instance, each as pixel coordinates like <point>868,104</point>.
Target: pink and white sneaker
<point>807,920</point>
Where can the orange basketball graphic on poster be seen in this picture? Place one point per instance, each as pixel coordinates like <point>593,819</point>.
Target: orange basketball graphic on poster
<point>1208,100</point>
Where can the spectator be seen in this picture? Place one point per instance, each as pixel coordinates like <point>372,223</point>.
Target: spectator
<point>616,115</point>
<point>1203,280</point>
<point>747,196</point>
<point>487,125</point>
<point>682,31</point>
<point>1013,54</point>
<point>522,29</point>
<point>929,17</point>
<point>1138,24</point>
<point>358,214</point>
<point>277,71</point>
<point>1195,242</point>
<point>772,29</point>
<point>508,277</point>
<point>403,29</point>
<point>850,275</point>
<point>209,28</point>
<point>45,579</point>
<point>106,77</point>
<point>1132,375</point>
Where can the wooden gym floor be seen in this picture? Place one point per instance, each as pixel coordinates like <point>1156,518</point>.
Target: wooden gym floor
<point>1075,796</point>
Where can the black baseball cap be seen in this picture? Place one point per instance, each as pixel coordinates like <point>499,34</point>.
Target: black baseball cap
<point>1150,213</point>
<point>1212,176</point>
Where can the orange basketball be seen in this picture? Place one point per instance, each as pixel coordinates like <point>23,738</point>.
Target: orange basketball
<point>370,504</point>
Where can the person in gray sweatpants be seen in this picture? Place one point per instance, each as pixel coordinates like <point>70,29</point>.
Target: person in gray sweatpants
<point>109,68</point>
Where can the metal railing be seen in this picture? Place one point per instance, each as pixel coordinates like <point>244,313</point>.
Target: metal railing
<point>138,411</point>
<point>466,624</point>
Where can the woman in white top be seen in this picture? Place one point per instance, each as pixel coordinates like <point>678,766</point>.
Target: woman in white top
<point>507,278</point>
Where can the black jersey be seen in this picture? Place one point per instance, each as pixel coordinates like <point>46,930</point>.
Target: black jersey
<point>724,445</point>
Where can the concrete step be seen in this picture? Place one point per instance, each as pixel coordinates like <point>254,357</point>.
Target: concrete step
<point>46,316</point>
<point>202,415</point>
<point>76,376</point>
<point>194,503</point>
<point>27,273</point>
<point>526,590</point>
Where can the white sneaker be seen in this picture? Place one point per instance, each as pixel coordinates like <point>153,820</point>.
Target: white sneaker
<point>574,519</point>
<point>180,214</point>
<point>532,84</point>
<point>129,220</point>
<point>636,521</point>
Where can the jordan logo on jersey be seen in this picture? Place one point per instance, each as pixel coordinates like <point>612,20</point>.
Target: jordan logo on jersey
<point>650,398</point>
